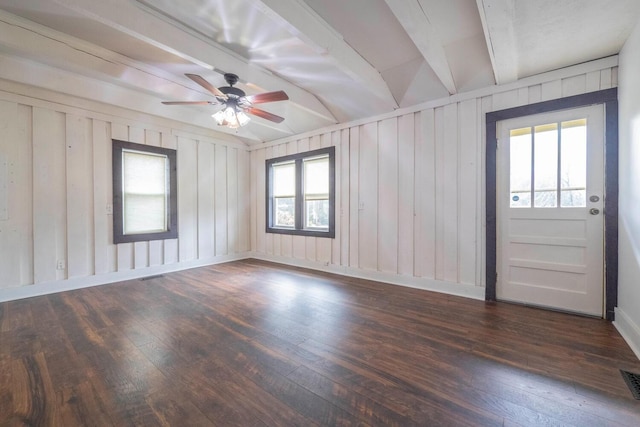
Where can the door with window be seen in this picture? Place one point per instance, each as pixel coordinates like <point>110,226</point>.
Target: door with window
<point>550,210</point>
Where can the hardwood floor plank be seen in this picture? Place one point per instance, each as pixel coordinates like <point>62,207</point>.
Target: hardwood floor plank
<point>252,343</point>
<point>355,403</point>
<point>81,405</point>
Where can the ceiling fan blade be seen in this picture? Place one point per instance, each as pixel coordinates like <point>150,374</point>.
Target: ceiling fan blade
<point>261,98</point>
<point>189,103</point>
<point>208,86</point>
<point>264,114</point>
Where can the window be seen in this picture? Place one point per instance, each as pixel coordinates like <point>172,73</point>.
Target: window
<point>301,193</point>
<point>548,165</point>
<point>144,193</point>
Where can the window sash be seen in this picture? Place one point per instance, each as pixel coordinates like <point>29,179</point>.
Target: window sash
<point>145,191</point>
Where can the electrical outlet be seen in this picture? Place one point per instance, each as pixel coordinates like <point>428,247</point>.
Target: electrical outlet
<point>60,264</point>
<point>109,209</point>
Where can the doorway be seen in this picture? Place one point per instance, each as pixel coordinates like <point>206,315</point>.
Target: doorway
<point>607,98</point>
<point>550,191</point>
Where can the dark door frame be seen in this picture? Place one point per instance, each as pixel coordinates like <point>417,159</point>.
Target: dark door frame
<point>608,97</point>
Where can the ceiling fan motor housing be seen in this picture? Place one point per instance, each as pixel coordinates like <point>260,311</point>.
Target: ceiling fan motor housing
<point>228,90</point>
<point>231,79</point>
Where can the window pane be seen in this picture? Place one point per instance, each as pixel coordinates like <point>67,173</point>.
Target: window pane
<point>144,213</point>
<point>285,215</point>
<point>144,183</point>
<point>573,164</point>
<point>520,167</point>
<point>316,176</point>
<point>317,214</point>
<point>545,166</point>
<point>284,179</point>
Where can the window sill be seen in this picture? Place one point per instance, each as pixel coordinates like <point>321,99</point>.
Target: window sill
<point>310,233</point>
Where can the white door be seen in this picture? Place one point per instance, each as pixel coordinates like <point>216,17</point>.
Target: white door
<point>550,210</point>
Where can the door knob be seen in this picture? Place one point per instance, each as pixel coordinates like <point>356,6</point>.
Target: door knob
<point>594,211</point>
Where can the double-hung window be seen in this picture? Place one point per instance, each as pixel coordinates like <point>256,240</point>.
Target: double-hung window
<point>144,193</point>
<point>301,193</point>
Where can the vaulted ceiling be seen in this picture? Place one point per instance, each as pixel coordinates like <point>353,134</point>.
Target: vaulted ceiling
<point>338,60</point>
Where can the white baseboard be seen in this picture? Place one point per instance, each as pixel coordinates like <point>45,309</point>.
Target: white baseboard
<point>629,330</point>
<point>28,291</point>
<point>468,291</point>
<point>463,290</point>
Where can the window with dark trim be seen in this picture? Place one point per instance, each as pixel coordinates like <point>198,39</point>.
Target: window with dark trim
<point>145,203</point>
<point>300,191</point>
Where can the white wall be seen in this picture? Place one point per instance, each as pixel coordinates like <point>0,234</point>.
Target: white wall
<point>628,311</point>
<point>410,198</point>
<point>56,185</point>
<point>410,187</point>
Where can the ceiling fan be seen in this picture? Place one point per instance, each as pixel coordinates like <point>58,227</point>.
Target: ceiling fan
<point>236,103</point>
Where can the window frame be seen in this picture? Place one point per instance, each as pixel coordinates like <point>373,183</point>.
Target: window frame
<point>118,147</point>
<point>298,159</point>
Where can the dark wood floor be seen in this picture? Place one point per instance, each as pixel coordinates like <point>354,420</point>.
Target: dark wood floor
<point>255,344</point>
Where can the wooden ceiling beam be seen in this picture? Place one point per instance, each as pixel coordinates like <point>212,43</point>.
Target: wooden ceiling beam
<point>497,18</point>
<point>416,23</point>
<point>304,23</point>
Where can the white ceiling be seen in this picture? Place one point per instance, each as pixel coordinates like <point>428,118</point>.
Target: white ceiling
<point>338,60</point>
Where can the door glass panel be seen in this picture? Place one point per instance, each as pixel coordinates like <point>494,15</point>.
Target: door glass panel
<point>573,164</point>
<point>546,166</point>
<point>520,167</point>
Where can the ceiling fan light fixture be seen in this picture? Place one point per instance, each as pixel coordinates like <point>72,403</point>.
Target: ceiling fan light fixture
<point>243,119</point>
<point>231,117</point>
<point>218,117</point>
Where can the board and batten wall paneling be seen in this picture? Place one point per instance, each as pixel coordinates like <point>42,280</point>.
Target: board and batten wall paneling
<point>244,202</point>
<point>425,193</point>
<point>406,206</point>
<point>56,203</point>
<point>368,197</point>
<point>187,199</point>
<point>49,195</point>
<point>221,201</point>
<point>80,217</point>
<point>233,211</point>
<point>206,200</point>
<point>16,173</point>
<point>104,249</point>
<point>388,196</point>
<point>410,204</point>
<point>467,183</point>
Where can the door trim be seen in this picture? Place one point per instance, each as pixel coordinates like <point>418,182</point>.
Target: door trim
<point>608,97</point>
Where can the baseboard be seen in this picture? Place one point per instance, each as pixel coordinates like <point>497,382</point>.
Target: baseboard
<point>629,330</point>
<point>28,291</point>
<point>463,290</point>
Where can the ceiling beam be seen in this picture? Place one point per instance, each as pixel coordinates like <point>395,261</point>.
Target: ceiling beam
<point>137,21</point>
<point>497,18</point>
<point>78,68</point>
<point>304,23</point>
<point>416,23</point>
